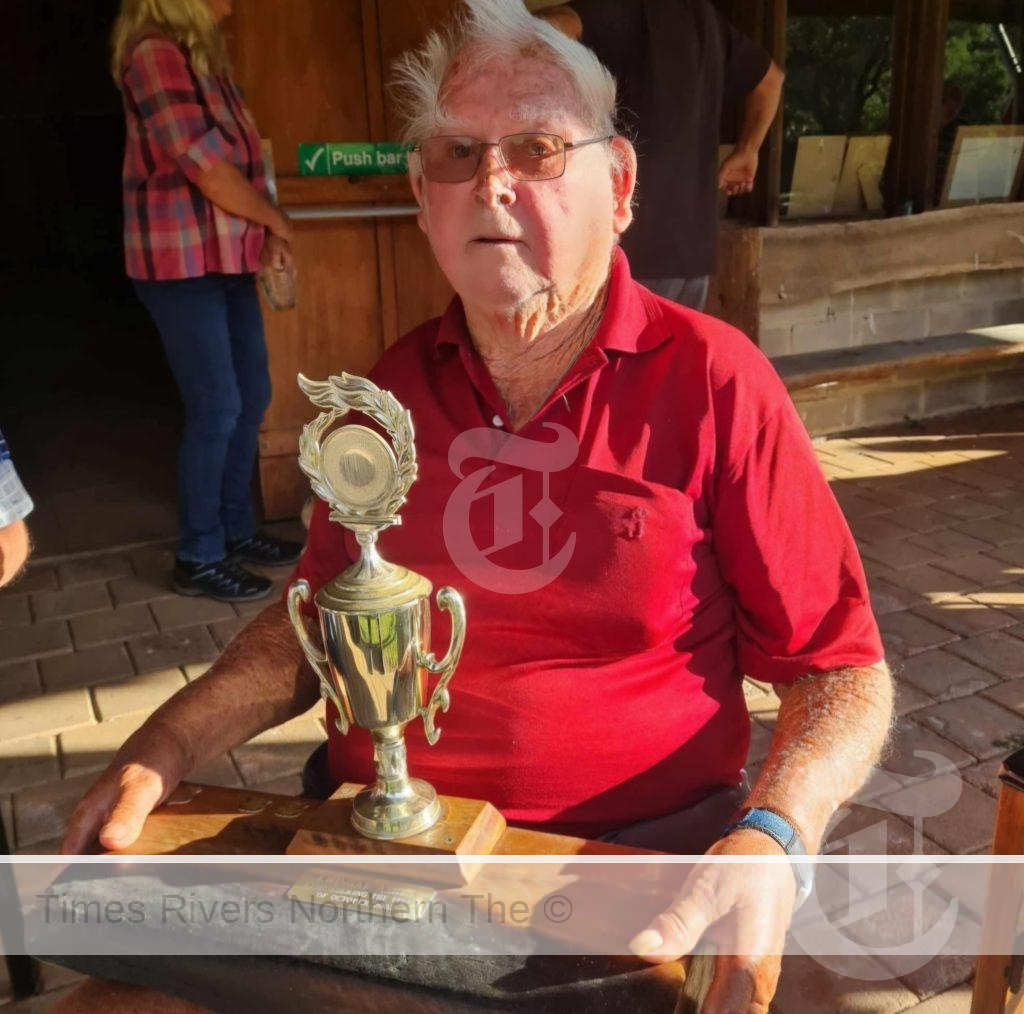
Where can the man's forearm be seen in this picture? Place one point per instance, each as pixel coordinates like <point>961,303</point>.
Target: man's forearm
<point>759,110</point>
<point>260,681</point>
<point>830,732</point>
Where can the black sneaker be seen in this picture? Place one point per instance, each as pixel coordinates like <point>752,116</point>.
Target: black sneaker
<point>264,550</point>
<point>223,581</point>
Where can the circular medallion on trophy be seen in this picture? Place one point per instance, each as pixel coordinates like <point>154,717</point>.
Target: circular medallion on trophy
<point>360,467</point>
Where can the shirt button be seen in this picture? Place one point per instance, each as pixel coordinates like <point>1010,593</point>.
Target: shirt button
<point>497,421</point>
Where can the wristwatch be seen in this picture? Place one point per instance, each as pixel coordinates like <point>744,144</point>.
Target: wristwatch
<point>786,837</point>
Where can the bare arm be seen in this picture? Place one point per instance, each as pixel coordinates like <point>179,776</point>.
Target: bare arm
<point>736,175</point>
<point>15,546</point>
<point>260,681</point>
<point>226,187</point>
<point>830,734</point>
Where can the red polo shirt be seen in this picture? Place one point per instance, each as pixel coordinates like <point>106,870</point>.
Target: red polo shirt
<point>660,528</point>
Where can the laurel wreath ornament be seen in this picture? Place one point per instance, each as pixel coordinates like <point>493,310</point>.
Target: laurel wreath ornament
<point>340,395</point>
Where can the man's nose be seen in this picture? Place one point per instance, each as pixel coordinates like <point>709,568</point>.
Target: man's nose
<point>493,180</point>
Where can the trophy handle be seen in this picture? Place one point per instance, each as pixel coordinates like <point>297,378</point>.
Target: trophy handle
<point>451,601</point>
<point>298,595</point>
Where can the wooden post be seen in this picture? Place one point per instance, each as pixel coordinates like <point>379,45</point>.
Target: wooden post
<point>919,52</point>
<point>999,928</point>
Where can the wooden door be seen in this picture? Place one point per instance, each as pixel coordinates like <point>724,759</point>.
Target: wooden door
<point>315,70</point>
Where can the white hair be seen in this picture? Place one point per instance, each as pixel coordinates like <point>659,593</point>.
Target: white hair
<point>484,30</point>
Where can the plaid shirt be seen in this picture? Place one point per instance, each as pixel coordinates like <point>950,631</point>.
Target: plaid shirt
<point>181,124</point>
<point>15,503</point>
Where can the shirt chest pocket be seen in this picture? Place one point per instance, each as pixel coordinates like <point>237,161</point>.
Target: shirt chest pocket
<point>633,560</point>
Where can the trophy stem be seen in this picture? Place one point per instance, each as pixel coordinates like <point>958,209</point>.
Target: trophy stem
<point>397,806</point>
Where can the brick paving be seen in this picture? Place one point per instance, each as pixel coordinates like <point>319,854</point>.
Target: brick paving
<point>88,647</point>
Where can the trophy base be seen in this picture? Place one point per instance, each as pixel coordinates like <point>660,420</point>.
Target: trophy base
<point>386,822</point>
<point>464,829</point>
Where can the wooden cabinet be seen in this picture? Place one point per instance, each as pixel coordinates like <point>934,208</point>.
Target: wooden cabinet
<point>316,70</point>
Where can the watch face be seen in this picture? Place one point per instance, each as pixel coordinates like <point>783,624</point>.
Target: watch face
<point>360,468</point>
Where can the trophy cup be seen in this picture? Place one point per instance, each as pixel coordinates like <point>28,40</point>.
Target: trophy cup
<point>375,623</point>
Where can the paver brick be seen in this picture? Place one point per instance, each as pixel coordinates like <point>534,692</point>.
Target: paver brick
<point>897,553</point>
<point>41,813</point>
<point>985,776</point>
<point>982,568</point>
<point>36,640</point>
<point>138,693</point>
<point>944,675</point>
<point>999,652</point>
<point>219,771</point>
<point>980,726</point>
<point>225,631</point>
<point>907,755</point>
<point>25,762</point>
<point>92,747</point>
<point>14,611</point>
<point>81,598</point>
<point>1012,553</point>
<point>18,681</point>
<point>85,668</point>
<point>93,568</point>
<point>807,986</point>
<point>906,634</point>
<point>878,528</point>
<point>947,542</point>
<point>909,698</point>
<point>953,1001</point>
<point>952,812</point>
<point>993,530</point>
<point>128,591</point>
<point>964,615</point>
<point>966,508</point>
<point>927,579</point>
<point>36,578</point>
<point>46,714</point>
<point>181,611</point>
<point>282,750</point>
<point>112,625</point>
<point>171,648</point>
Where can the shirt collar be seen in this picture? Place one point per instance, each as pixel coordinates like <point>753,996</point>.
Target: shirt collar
<point>632,323</point>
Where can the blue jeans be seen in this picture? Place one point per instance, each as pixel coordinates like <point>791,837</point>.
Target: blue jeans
<point>212,332</point>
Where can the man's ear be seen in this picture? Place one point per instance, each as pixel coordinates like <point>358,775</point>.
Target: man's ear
<point>623,183</point>
<point>416,182</point>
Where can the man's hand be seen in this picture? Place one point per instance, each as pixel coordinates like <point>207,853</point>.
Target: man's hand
<point>277,254</point>
<point>737,172</point>
<point>742,909</point>
<point>141,776</point>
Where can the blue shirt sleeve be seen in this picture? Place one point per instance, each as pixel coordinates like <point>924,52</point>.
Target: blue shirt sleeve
<point>15,503</point>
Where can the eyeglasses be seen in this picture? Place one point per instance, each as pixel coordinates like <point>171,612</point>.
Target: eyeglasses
<point>526,157</point>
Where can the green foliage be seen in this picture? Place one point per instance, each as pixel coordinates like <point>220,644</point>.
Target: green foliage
<point>839,73</point>
<point>975,61</point>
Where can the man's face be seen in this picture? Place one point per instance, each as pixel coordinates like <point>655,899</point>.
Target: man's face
<point>501,241</point>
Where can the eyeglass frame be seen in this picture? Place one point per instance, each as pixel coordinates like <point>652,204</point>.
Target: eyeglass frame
<point>566,147</point>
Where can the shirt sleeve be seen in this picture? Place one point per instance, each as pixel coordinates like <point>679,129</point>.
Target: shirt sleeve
<point>782,543</point>
<point>745,63</point>
<point>15,503</point>
<point>160,83</point>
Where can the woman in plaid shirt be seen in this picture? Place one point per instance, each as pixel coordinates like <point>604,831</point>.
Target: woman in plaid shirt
<point>198,225</point>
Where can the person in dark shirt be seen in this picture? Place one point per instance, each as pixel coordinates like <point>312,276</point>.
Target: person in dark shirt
<point>676,62</point>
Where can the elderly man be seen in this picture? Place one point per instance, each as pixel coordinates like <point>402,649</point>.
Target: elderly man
<point>625,496</point>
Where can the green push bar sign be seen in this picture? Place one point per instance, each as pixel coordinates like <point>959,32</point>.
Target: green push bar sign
<point>353,158</point>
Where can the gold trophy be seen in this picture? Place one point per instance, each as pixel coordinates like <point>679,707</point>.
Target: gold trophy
<point>375,616</point>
